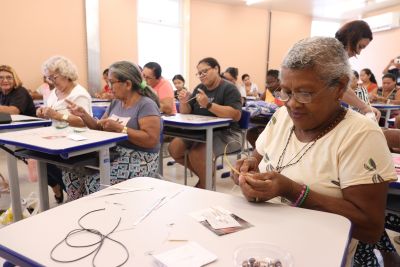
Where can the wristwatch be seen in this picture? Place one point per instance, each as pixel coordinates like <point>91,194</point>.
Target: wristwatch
<point>209,104</point>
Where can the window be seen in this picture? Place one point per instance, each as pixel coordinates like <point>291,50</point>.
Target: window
<point>324,28</point>
<point>160,35</point>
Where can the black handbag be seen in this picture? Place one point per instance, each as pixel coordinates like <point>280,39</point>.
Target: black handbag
<point>5,118</point>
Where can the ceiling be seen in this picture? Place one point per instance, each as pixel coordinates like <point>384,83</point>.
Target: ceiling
<point>328,9</point>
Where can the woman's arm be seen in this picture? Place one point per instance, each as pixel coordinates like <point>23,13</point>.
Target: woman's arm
<point>148,136</point>
<point>363,205</point>
<point>10,110</point>
<point>184,98</point>
<point>225,111</point>
<point>351,98</point>
<point>81,113</point>
<point>166,105</point>
<point>386,69</point>
<point>50,113</point>
<point>218,110</point>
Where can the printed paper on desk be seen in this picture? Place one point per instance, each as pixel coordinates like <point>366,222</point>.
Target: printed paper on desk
<point>217,217</point>
<point>220,221</point>
<point>77,137</point>
<point>190,254</point>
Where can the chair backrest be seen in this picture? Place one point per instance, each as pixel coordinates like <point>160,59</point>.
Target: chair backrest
<point>98,111</point>
<point>244,120</point>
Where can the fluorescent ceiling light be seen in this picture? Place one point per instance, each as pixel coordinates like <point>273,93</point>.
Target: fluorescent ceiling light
<point>252,2</point>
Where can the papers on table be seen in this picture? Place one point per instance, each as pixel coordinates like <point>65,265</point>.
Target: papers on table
<point>190,254</point>
<point>77,137</point>
<point>220,221</point>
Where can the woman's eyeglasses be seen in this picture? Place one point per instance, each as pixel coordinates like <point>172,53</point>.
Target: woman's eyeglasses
<point>7,78</point>
<point>111,83</point>
<point>52,78</point>
<point>301,97</point>
<point>203,72</point>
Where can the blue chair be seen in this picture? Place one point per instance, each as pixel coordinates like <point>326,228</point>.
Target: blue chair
<point>98,111</point>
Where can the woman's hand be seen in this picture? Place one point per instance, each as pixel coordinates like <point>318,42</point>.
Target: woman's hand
<point>373,97</point>
<point>246,165</point>
<point>50,113</point>
<point>75,109</point>
<point>110,125</point>
<point>202,98</point>
<point>40,112</point>
<point>258,187</point>
<point>183,96</point>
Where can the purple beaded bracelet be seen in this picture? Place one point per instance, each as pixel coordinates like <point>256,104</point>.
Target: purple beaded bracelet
<point>296,203</point>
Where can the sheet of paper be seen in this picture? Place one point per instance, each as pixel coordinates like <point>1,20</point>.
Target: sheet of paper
<point>77,137</point>
<point>217,217</point>
<point>189,254</point>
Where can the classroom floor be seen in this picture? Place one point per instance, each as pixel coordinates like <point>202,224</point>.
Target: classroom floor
<point>174,173</point>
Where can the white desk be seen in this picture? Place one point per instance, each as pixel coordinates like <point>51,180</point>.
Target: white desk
<point>19,122</point>
<point>52,141</point>
<point>313,238</point>
<point>388,108</point>
<point>101,104</point>
<point>197,122</point>
<point>100,100</point>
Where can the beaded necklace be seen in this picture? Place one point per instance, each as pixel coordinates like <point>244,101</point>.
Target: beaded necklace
<point>279,167</point>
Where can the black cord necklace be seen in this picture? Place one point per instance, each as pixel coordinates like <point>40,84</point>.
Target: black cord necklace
<point>97,245</point>
<point>279,167</point>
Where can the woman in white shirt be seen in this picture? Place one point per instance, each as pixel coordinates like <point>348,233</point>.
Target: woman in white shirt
<point>250,88</point>
<point>62,73</point>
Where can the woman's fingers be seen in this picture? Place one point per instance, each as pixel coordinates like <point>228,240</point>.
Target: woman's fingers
<point>251,194</point>
<point>260,182</point>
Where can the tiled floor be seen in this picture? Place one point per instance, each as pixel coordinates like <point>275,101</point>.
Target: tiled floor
<point>172,173</point>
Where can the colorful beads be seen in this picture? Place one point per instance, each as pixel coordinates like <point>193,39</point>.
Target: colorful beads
<point>302,197</point>
<point>252,262</point>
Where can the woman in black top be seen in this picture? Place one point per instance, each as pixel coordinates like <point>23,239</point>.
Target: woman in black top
<point>14,98</point>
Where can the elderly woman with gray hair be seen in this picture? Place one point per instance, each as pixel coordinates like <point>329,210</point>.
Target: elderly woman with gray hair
<point>62,73</point>
<point>317,155</point>
<point>134,111</point>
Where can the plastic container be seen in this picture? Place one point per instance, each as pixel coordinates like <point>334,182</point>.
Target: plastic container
<point>261,254</point>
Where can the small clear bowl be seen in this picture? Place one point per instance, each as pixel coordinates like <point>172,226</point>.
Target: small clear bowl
<point>261,254</point>
<point>60,124</point>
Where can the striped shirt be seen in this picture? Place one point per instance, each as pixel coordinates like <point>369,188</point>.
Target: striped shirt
<point>362,94</point>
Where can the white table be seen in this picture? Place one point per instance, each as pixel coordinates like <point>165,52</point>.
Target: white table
<point>100,100</point>
<point>313,238</point>
<point>197,122</point>
<point>19,122</point>
<point>53,141</point>
<point>388,108</point>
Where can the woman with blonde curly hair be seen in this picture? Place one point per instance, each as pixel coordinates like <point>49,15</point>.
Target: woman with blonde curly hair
<point>14,98</point>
